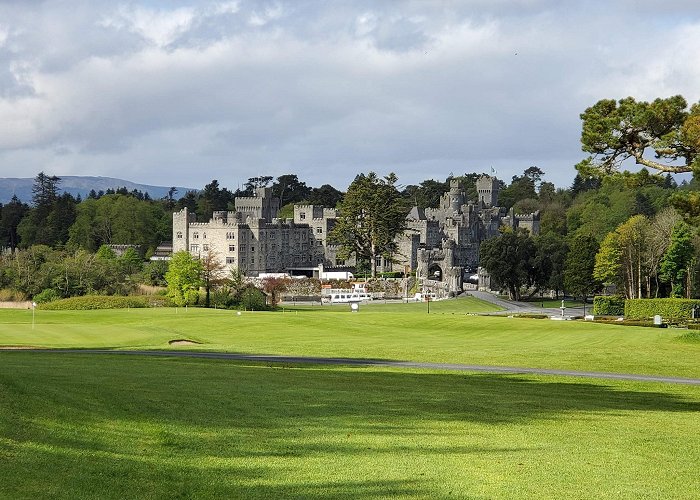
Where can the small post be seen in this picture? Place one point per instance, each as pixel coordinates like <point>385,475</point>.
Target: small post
<point>33,309</point>
<point>563,307</point>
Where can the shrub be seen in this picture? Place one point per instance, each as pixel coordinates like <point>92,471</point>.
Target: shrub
<point>252,299</point>
<point>103,302</point>
<point>48,295</point>
<point>608,305</point>
<point>668,309</point>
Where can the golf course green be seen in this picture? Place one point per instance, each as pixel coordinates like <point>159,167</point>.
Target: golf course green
<point>128,426</point>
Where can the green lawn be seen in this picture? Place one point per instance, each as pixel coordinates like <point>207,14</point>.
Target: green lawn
<point>78,426</point>
<point>391,331</point>
<point>101,426</point>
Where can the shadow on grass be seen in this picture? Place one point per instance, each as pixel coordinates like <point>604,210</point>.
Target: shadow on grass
<point>73,426</point>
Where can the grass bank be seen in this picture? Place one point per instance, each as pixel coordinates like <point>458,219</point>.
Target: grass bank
<point>116,427</point>
<point>391,331</point>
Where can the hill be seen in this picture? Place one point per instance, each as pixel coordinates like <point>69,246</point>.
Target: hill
<point>81,185</point>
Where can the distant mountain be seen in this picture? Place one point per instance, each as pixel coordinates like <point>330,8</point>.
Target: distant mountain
<point>81,185</point>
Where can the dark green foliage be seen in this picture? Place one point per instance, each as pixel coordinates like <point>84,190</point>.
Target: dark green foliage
<point>48,295</point>
<point>12,214</point>
<point>120,219</point>
<point>608,305</point>
<point>521,188</point>
<point>212,199</point>
<point>578,268</point>
<point>548,262</point>
<point>426,194</point>
<point>509,260</point>
<point>252,299</point>
<point>668,309</point>
<point>289,189</point>
<point>371,215</point>
<point>104,302</point>
<point>154,272</point>
<point>326,195</point>
<point>674,266</point>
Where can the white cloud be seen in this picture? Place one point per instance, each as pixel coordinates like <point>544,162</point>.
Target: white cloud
<point>232,89</point>
<point>160,27</point>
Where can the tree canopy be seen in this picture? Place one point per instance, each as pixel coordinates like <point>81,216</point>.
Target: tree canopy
<point>614,131</point>
<point>372,214</point>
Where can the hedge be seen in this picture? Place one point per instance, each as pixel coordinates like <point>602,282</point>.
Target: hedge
<point>608,305</point>
<point>668,309</point>
<point>104,302</point>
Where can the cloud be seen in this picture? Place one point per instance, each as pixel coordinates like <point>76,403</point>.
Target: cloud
<point>183,93</point>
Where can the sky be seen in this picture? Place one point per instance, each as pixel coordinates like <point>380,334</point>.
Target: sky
<point>180,93</point>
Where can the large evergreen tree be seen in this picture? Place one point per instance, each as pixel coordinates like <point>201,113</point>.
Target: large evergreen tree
<point>508,258</point>
<point>372,214</point>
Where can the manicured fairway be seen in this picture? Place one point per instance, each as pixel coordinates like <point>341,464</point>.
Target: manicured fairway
<point>396,332</point>
<point>75,426</point>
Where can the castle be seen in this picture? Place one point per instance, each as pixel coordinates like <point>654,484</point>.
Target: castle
<point>441,244</point>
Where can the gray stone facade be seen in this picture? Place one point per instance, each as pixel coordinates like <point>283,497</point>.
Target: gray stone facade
<point>254,240</point>
<point>449,237</point>
<point>442,244</point>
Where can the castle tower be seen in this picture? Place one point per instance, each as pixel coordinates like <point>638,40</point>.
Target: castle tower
<point>260,206</point>
<point>181,226</point>
<point>487,188</point>
<point>456,196</point>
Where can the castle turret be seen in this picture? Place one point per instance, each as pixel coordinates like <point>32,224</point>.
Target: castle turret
<point>487,188</point>
<point>181,225</point>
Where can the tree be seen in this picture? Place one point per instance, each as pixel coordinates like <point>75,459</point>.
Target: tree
<point>274,288</point>
<point>676,261</point>
<point>607,268</point>
<point>508,259</point>
<point>212,199</point>
<point>184,278</point>
<point>372,215</point>
<point>578,269</point>
<point>213,273</point>
<point>548,262</point>
<point>427,194</point>
<point>326,195</point>
<point>289,189</point>
<point>12,214</point>
<point>632,235</point>
<point>520,188</point>
<point>613,132</point>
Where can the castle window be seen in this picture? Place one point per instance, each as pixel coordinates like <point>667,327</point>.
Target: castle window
<point>252,259</point>
<point>230,260</point>
<point>204,235</point>
<point>252,249</point>
<point>302,215</point>
<point>232,248</point>
<point>195,236</point>
<point>205,247</point>
<point>179,234</point>
<point>339,262</point>
<point>319,230</point>
<point>194,248</point>
<point>230,236</point>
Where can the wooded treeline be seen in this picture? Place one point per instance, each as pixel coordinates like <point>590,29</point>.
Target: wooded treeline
<point>634,232</point>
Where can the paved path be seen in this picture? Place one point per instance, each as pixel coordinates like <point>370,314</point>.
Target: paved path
<point>268,358</point>
<point>526,307</point>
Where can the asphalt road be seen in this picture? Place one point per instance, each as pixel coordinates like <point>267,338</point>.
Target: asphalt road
<point>267,358</point>
<point>527,307</point>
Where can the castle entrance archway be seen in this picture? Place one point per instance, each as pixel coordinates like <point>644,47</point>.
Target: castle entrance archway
<point>435,273</point>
